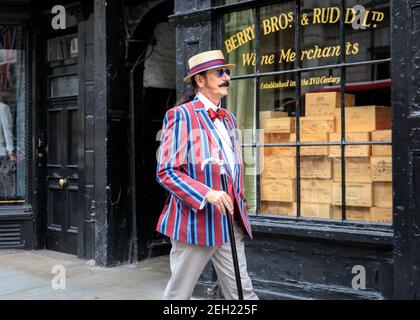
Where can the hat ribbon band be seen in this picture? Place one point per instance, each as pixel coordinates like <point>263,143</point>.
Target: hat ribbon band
<point>209,64</point>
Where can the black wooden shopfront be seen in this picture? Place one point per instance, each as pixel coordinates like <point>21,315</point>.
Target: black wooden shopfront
<point>89,123</point>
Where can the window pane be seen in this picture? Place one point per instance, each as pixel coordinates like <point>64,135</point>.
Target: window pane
<point>12,114</point>
<point>370,120</point>
<point>278,177</point>
<point>278,126</point>
<point>277,29</point>
<point>367,30</point>
<point>315,185</point>
<point>320,33</point>
<point>238,36</point>
<point>62,48</point>
<point>64,86</point>
<point>240,101</point>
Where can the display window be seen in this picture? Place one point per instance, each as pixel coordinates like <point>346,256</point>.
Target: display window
<point>312,94</point>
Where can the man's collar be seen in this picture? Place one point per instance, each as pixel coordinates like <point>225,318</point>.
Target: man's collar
<point>206,102</point>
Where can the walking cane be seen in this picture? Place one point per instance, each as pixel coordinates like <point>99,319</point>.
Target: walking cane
<point>223,177</point>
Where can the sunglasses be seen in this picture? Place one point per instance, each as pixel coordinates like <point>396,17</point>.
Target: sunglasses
<point>221,72</point>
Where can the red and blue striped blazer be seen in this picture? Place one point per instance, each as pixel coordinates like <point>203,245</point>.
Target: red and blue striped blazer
<point>188,138</point>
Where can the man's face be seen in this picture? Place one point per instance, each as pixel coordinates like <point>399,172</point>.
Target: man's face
<point>214,83</point>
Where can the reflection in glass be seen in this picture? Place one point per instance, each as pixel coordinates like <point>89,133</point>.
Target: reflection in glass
<point>240,102</point>
<point>277,29</point>
<point>238,41</point>
<point>320,33</point>
<point>61,48</point>
<point>368,29</point>
<point>365,106</point>
<point>64,86</point>
<point>12,114</point>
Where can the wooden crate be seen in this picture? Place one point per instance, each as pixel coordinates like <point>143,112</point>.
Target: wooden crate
<point>315,190</point>
<point>357,170</point>
<point>319,124</point>
<point>278,151</point>
<point>352,213</point>
<point>351,151</point>
<point>275,138</point>
<point>365,119</point>
<point>382,194</point>
<point>312,137</point>
<point>279,167</point>
<point>381,169</point>
<point>315,167</point>
<point>379,150</point>
<point>282,190</point>
<point>357,194</point>
<point>383,215</point>
<point>323,103</point>
<point>264,115</point>
<point>276,207</point>
<point>315,210</point>
<point>280,125</point>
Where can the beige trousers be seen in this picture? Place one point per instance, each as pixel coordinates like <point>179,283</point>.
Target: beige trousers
<point>188,262</point>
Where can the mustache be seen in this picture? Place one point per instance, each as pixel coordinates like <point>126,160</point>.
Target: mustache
<point>225,84</point>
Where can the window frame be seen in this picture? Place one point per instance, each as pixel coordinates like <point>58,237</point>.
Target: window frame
<point>255,6</point>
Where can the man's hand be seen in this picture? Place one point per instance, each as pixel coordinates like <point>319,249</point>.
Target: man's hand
<point>221,200</point>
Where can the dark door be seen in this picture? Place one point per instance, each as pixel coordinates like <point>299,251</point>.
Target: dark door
<point>60,105</point>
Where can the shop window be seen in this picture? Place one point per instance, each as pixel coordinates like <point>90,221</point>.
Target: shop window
<point>305,70</point>
<point>12,115</point>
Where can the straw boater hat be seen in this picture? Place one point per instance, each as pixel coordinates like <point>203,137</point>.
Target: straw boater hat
<point>205,61</point>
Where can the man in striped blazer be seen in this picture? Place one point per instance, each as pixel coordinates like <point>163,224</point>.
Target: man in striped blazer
<point>194,216</point>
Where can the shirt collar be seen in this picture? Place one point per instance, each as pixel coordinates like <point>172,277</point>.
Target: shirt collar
<point>206,102</point>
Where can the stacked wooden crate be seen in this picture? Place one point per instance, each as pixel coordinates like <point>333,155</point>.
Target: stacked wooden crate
<point>381,162</point>
<point>316,186</point>
<point>278,174</point>
<point>368,168</point>
<point>368,177</point>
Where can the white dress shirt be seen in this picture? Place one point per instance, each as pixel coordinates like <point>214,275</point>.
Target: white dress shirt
<point>223,134</point>
<point>6,130</point>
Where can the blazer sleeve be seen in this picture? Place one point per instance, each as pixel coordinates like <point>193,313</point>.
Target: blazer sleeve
<point>172,161</point>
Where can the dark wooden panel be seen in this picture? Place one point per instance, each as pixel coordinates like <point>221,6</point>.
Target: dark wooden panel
<point>72,136</point>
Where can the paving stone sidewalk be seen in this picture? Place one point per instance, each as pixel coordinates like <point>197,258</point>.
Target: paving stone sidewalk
<point>28,275</point>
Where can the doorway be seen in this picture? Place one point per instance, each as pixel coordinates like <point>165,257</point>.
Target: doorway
<point>155,93</point>
<point>58,142</point>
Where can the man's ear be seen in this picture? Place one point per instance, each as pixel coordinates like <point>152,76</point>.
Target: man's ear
<point>199,80</point>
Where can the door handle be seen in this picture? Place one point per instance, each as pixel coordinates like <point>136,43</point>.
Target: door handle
<point>62,182</point>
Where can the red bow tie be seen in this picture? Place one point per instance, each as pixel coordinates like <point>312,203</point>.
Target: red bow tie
<point>220,113</point>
